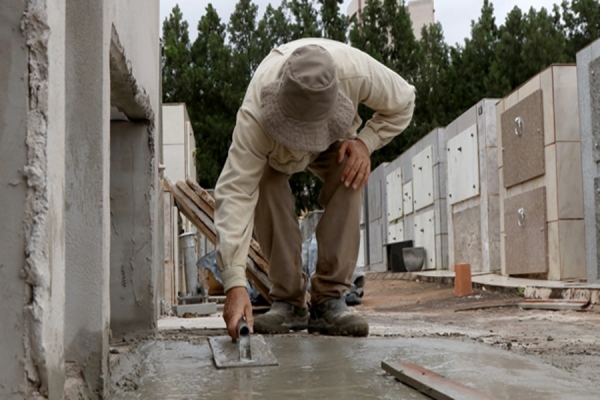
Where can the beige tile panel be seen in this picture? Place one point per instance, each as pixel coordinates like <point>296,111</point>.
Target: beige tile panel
<point>511,100</point>
<point>523,152</point>
<point>529,87</point>
<point>566,103</point>
<point>551,183</point>
<point>499,112</point>
<point>525,228</point>
<point>570,180</point>
<point>572,249</point>
<point>547,82</point>
<point>554,270</point>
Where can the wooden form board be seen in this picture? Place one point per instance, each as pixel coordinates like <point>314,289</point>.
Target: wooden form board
<point>463,166</point>
<point>198,206</point>
<point>430,383</point>
<point>394,195</point>
<point>422,172</point>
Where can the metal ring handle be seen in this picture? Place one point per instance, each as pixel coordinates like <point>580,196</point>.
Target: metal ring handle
<point>518,126</point>
<point>521,217</point>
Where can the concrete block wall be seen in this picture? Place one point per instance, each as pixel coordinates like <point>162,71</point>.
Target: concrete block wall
<point>588,78</point>
<point>32,182</point>
<point>473,189</point>
<point>426,221</point>
<point>376,231</point>
<point>62,67</point>
<point>419,214</point>
<point>541,188</point>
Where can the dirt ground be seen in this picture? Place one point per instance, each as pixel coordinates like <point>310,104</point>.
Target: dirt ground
<point>568,340</point>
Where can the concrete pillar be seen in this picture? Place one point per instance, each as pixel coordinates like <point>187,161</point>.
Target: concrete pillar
<point>588,76</point>
<point>133,196</point>
<point>32,194</point>
<point>88,28</point>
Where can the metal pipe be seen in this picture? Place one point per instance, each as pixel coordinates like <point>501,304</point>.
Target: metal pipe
<point>188,243</point>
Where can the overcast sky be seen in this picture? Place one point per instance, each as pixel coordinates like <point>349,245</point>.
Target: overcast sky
<point>455,15</point>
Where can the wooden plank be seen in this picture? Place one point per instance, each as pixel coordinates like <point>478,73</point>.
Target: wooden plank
<point>487,306</point>
<point>200,197</point>
<point>430,383</point>
<point>254,272</point>
<point>201,192</point>
<point>256,256</point>
<point>207,203</point>
<point>554,304</point>
<point>191,211</point>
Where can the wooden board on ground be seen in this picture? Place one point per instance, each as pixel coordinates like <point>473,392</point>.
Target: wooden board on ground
<point>554,304</point>
<point>193,206</point>
<point>430,383</point>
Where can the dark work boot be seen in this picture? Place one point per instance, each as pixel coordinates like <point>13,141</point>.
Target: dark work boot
<point>281,318</point>
<point>332,317</point>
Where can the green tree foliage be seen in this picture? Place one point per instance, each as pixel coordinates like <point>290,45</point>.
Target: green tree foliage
<point>176,61</point>
<point>214,101</point>
<point>211,75</point>
<point>581,24</point>
<point>304,18</point>
<point>334,24</point>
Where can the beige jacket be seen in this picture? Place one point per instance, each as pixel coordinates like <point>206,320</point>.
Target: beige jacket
<point>362,79</point>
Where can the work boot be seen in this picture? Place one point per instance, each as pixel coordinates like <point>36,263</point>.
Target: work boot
<point>281,318</point>
<point>332,317</point>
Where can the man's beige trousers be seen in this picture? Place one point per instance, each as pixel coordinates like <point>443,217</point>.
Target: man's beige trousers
<point>338,233</point>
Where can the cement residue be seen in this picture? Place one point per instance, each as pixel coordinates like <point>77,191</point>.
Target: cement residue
<point>564,339</point>
<point>126,93</point>
<point>36,270</point>
<point>323,367</point>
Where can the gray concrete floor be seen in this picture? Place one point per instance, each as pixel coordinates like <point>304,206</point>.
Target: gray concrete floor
<point>315,367</point>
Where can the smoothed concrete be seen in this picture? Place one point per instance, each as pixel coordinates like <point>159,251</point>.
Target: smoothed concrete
<point>87,207</point>
<point>321,367</point>
<point>132,201</point>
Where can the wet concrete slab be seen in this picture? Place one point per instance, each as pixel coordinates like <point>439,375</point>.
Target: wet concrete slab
<point>317,367</point>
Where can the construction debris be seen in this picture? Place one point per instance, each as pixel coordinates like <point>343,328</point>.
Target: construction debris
<point>555,305</point>
<point>199,207</point>
<point>430,383</point>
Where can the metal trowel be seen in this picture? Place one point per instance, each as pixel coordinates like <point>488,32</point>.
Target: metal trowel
<point>248,351</point>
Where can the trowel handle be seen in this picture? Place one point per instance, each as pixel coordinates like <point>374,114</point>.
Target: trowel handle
<point>242,328</point>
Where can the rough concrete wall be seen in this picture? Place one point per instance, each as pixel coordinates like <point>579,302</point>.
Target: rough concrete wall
<point>437,140</point>
<point>31,187</point>
<point>135,91</point>
<point>133,280</point>
<point>589,111</point>
<point>137,24</point>
<point>377,224</point>
<point>87,191</point>
<point>13,157</point>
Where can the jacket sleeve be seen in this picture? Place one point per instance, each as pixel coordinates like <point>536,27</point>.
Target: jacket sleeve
<point>236,195</point>
<point>393,101</point>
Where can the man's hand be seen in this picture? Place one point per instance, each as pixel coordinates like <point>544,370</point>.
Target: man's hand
<point>237,305</point>
<point>358,166</point>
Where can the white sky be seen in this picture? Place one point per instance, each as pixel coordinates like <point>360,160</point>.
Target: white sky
<point>455,15</point>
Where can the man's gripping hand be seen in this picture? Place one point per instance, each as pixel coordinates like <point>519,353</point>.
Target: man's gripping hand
<point>237,305</point>
<point>358,166</point>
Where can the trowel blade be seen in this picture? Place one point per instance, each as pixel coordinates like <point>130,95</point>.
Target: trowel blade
<point>227,353</point>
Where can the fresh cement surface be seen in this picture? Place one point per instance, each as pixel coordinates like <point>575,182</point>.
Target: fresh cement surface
<point>482,340</point>
<point>323,367</point>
